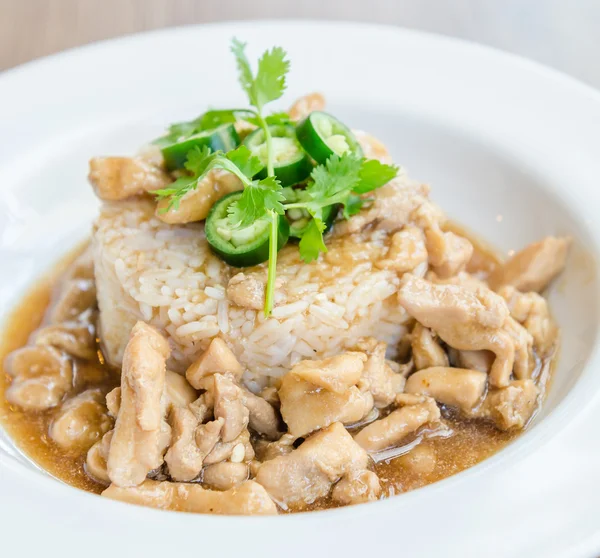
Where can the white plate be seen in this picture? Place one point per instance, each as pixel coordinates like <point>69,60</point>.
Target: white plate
<point>511,149</point>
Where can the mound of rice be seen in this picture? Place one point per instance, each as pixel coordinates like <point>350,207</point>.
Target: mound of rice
<point>167,276</point>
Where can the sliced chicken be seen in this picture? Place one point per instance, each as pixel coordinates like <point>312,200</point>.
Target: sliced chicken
<point>392,429</point>
<point>195,205</point>
<point>113,402</point>
<point>336,373</point>
<point>81,421</point>
<point>426,351</point>
<point>264,419</point>
<point>250,498</point>
<point>246,291</point>
<point>183,457</point>
<point>306,104</point>
<point>218,358</point>
<point>420,461</point>
<point>40,377</point>
<point>468,320</point>
<point>118,178</point>
<point>225,475</point>
<point>378,376</point>
<point>372,147</point>
<point>511,407</point>
<point>455,387</point>
<point>448,253</point>
<point>308,472</point>
<point>141,433</point>
<point>532,311</point>
<point>270,450</point>
<point>179,392</point>
<point>534,267</point>
<point>406,252</point>
<point>238,450</point>
<point>75,297</point>
<point>306,407</point>
<point>357,487</point>
<point>229,406</point>
<point>95,464</point>
<point>476,360</point>
<point>74,338</point>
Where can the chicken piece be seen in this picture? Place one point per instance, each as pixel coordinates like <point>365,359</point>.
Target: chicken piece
<point>356,488</point>
<point>462,279</point>
<point>306,104</point>
<point>511,407</point>
<point>372,147</point>
<point>183,458</point>
<point>455,387</point>
<point>82,267</point>
<point>391,210</point>
<point>307,473</point>
<point>203,407</point>
<point>476,360</point>
<point>406,252</point>
<point>448,252</point>
<point>75,338</point>
<point>391,430</point>
<point>229,406</point>
<point>218,358</point>
<point>531,310</point>
<point>141,433</point>
<point>81,421</point>
<point>534,267</point>
<point>426,351</point>
<point>420,461</point>
<point>250,498</point>
<point>75,297</point>
<point>41,376</point>
<point>246,291</point>
<point>118,178</point>
<point>178,391</point>
<point>378,376</point>
<point>225,475</point>
<point>95,464</point>
<point>336,373</point>
<point>263,419</point>
<point>113,402</point>
<point>195,205</point>
<point>238,450</point>
<point>270,450</point>
<point>306,407</point>
<point>468,320</point>
<point>208,435</point>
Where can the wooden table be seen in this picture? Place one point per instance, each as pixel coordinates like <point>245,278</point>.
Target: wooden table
<point>561,33</point>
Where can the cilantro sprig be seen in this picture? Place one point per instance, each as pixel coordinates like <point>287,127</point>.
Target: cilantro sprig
<point>342,182</point>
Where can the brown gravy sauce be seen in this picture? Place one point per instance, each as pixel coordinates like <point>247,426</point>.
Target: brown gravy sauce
<point>471,442</point>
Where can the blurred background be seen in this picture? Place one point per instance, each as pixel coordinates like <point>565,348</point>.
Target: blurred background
<point>564,34</point>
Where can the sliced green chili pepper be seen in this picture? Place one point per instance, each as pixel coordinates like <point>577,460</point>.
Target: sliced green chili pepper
<point>291,165</point>
<point>224,138</point>
<point>322,135</point>
<point>241,247</point>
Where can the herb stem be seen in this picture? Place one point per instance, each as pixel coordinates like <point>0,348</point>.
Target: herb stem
<point>272,272</point>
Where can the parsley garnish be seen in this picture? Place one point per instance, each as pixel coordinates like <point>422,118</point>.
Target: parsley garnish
<point>342,182</point>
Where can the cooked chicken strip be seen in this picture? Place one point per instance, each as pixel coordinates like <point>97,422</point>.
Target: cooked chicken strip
<point>118,178</point>
<point>335,374</point>
<point>74,338</point>
<point>356,488</point>
<point>218,358</point>
<point>476,360</point>
<point>264,419</point>
<point>225,475</point>
<point>468,320</point>
<point>378,377</point>
<point>141,433</point>
<point>511,407</point>
<point>308,472</point>
<point>456,387</point>
<point>183,457</point>
<point>229,406</point>
<point>249,498</point>
<point>246,291</point>
<point>426,351</point>
<point>306,104</point>
<point>448,252</point>
<point>534,267</point>
<point>391,430</point>
<point>406,252</point>
<point>95,464</point>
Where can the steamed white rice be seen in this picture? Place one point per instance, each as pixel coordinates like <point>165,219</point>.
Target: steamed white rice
<point>167,276</point>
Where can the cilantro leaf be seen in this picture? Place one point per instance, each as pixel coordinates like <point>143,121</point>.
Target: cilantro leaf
<point>246,78</point>
<point>177,131</point>
<point>243,159</point>
<point>269,84</point>
<point>198,160</point>
<point>374,174</point>
<point>215,118</point>
<point>311,243</point>
<point>275,119</point>
<point>352,206</point>
<point>257,199</point>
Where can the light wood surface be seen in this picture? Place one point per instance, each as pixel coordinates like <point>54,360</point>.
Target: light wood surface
<point>562,33</point>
